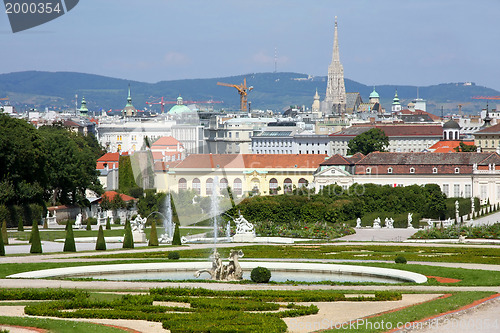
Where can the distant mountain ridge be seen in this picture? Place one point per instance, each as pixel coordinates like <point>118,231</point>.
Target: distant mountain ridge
<point>274,91</point>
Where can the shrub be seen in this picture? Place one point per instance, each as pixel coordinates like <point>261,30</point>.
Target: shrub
<point>69,243</point>
<point>174,255</point>
<point>100,244</point>
<point>260,275</point>
<point>116,220</point>
<point>153,235</point>
<point>400,260</point>
<point>36,244</point>
<point>108,224</point>
<point>89,225</point>
<point>177,236</point>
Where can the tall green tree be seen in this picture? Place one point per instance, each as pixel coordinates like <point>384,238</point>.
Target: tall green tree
<point>22,162</point>
<point>126,179</point>
<point>70,167</point>
<point>369,141</point>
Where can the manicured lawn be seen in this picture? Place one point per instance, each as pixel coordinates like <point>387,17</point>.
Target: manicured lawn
<point>59,326</point>
<point>464,254</point>
<point>227,310</point>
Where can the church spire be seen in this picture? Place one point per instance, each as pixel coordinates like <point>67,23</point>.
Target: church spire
<point>335,54</point>
<point>335,98</point>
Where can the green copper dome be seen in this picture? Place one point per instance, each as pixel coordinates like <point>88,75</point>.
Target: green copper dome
<point>374,94</point>
<point>179,108</point>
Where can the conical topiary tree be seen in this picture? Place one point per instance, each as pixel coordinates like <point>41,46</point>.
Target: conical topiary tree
<point>177,236</point>
<point>5,235</point>
<point>36,244</point>
<point>69,243</point>
<point>2,247</point>
<point>100,245</point>
<point>89,225</point>
<point>108,224</point>
<point>128,239</point>
<point>20,225</point>
<point>153,235</point>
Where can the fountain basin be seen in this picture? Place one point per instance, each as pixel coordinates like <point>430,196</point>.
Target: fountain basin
<point>281,271</point>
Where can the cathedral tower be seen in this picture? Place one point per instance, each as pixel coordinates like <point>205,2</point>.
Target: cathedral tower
<point>335,98</point>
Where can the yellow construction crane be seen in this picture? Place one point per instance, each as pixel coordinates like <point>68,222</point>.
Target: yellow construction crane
<point>242,90</point>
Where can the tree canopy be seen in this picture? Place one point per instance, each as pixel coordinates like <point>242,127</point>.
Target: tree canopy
<point>50,163</point>
<point>369,141</point>
<point>463,148</point>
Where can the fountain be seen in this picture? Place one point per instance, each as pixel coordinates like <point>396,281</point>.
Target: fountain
<point>221,272</point>
<point>215,209</point>
<point>168,223</point>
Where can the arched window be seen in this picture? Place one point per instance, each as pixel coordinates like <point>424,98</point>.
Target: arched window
<point>197,185</point>
<point>389,170</point>
<point>209,186</point>
<point>223,184</point>
<point>182,184</point>
<point>303,182</point>
<point>237,187</point>
<point>273,186</point>
<point>287,185</point>
<point>412,170</point>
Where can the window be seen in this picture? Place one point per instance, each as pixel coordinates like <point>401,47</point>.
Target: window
<point>368,171</point>
<point>484,191</point>
<point>389,170</point>
<point>302,182</point>
<point>197,185</point>
<point>287,185</point>
<point>434,170</point>
<point>223,184</point>
<point>457,170</point>
<point>237,189</point>
<point>273,186</point>
<point>456,190</point>
<point>209,186</point>
<point>468,190</point>
<point>412,170</point>
<point>182,184</point>
<point>446,189</point>
<point>237,135</point>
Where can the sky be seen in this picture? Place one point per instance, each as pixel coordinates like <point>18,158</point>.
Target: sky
<point>410,42</point>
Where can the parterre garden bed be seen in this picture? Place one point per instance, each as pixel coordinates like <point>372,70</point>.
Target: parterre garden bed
<point>215,311</point>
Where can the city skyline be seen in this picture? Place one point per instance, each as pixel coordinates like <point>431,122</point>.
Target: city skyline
<point>388,42</point>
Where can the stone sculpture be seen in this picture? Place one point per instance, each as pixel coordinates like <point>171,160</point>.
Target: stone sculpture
<point>358,223</point>
<point>230,272</point>
<point>376,223</point>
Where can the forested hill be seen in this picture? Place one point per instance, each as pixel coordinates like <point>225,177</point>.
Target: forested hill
<point>270,91</point>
